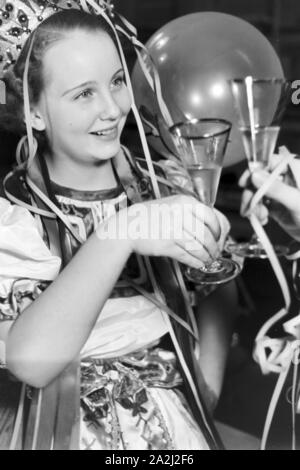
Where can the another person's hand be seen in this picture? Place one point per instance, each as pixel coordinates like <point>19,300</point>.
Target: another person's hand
<point>179,227</point>
<point>284,199</point>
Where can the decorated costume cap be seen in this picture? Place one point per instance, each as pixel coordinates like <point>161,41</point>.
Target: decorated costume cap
<point>19,18</point>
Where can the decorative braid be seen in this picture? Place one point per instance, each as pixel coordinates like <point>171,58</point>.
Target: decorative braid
<point>52,197</point>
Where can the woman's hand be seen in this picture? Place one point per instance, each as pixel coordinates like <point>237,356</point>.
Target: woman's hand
<point>179,227</point>
<point>284,206</point>
<point>284,199</point>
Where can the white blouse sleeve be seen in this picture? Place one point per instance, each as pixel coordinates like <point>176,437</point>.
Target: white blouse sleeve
<point>23,253</point>
<point>26,264</point>
<point>25,260</point>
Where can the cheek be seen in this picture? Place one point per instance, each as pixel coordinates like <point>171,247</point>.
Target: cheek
<point>62,117</point>
<point>124,102</point>
<point>71,121</point>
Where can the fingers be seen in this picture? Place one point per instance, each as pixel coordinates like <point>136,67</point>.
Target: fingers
<point>185,257</point>
<point>245,201</point>
<point>201,231</point>
<point>225,228</point>
<point>190,226</point>
<point>208,217</point>
<point>274,161</point>
<point>288,196</point>
<point>195,214</point>
<point>201,244</point>
<point>244,179</point>
<point>262,213</point>
<point>193,254</point>
<point>260,210</point>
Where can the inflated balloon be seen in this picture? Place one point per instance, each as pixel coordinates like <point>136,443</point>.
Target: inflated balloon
<point>195,55</point>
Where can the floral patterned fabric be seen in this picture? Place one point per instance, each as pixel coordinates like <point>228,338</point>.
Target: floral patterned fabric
<point>133,402</point>
<point>22,293</point>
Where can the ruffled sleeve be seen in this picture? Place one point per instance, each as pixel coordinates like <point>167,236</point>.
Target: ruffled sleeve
<point>26,264</point>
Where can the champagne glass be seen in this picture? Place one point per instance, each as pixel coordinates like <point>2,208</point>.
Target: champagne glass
<point>259,105</point>
<point>201,145</point>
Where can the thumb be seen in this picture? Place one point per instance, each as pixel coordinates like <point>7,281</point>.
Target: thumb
<point>286,195</point>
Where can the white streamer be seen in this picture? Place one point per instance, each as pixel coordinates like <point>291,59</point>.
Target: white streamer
<point>272,354</point>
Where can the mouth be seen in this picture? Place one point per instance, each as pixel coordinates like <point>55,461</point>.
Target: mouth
<point>112,132</point>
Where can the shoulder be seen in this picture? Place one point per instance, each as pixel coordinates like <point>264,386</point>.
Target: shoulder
<point>13,187</point>
<point>14,216</point>
<point>23,252</point>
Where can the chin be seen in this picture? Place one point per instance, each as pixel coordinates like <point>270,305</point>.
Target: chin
<point>110,151</point>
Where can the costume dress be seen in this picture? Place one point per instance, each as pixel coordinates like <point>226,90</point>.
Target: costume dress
<point>131,395</point>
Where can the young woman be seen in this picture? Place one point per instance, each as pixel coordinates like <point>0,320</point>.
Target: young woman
<point>53,311</point>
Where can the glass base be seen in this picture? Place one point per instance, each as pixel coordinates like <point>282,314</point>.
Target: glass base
<point>221,271</point>
<point>254,250</point>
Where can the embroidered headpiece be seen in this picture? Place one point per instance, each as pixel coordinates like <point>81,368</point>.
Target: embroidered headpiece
<point>18,18</point>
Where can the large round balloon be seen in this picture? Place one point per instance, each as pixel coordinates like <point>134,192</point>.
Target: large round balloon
<point>195,56</point>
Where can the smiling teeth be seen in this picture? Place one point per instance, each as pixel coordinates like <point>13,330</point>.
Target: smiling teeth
<point>109,131</point>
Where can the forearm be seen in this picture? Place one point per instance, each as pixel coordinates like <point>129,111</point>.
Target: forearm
<point>54,328</point>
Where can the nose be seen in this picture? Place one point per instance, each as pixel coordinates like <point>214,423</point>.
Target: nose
<point>108,108</point>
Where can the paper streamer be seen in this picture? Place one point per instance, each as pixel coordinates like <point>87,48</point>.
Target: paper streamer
<point>273,354</point>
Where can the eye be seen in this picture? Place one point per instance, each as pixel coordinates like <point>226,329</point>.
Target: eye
<point>84,94</point>
<point>119,81</point>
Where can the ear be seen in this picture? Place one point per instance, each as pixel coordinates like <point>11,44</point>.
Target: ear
<point>37,120</point>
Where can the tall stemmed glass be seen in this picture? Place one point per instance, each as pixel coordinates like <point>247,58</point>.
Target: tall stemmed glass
<point>201,145</point>
<point>259,105</point>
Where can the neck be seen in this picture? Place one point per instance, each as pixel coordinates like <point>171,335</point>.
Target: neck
<point>82,177</point>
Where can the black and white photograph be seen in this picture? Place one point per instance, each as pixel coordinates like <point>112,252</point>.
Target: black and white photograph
<point>149,227</point>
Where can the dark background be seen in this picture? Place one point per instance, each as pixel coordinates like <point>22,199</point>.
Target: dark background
<point>246,391</point>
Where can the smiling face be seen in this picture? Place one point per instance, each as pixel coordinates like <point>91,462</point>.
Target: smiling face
<point>85,102</point>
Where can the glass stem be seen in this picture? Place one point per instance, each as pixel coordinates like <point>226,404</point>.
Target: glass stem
<point>254,240</point>
<point>214,266</point>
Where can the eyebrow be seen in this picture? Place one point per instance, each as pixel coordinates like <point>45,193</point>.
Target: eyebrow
<point>89,83</point>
